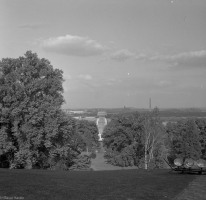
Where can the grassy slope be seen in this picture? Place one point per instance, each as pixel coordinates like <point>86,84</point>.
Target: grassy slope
<point>195,191</point>
<point>88,185</point>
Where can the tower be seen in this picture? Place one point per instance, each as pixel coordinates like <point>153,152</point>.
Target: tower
<point>150,104</point>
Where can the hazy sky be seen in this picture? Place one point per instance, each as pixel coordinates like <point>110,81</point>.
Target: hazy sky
<point>114,53</point>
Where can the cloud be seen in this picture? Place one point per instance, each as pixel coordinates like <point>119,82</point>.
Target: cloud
<point>122,55</point>
<point>85,77</point>
<point>74,46</point>
<point>185,59</point>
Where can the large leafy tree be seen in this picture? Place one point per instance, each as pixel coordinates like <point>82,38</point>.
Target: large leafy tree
<point>184,139</point>
<point>33,129</point>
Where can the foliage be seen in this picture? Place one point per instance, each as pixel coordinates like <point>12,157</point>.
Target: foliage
<point>153,139</point>
<point>34,132</point>
<point>93,155</point>
<point>122,140</point>
<point>184,140</point>
<point>82,162</point>
<point>85,142</point>
<point>134,139</point>
<point>88,135</point>
<point>201,125</point>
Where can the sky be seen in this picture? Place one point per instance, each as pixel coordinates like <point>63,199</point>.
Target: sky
<point>114,53</point>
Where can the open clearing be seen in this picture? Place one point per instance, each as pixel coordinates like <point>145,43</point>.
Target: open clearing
<point>92,185</point>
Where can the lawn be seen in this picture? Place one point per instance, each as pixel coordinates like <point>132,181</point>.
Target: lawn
<point>92,185</point>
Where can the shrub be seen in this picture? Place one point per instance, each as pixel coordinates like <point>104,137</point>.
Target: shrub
<point>82,162</point>
<point>93,155</point>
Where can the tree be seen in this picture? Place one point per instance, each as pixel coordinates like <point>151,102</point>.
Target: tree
<point>201,125</point>
<point>122,140</point>
<point>33,129</point>
<point>152,137</point>
<point>135,139</point>
<point>184,140</point>
<point>89,134</point>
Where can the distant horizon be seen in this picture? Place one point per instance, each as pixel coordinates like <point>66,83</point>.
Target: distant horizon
<point>167,108</point>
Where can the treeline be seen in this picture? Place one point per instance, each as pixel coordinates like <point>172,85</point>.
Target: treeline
<point>34,131</point>
<point>141,140</point>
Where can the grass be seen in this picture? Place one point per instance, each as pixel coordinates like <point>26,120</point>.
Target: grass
<point>92,185</point>
<point>195,191</point>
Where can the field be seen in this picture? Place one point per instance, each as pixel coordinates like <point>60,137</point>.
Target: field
<point>92,185</point>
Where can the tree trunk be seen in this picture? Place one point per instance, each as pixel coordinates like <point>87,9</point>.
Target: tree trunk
<point>145,157</point>
<point>145,150</point>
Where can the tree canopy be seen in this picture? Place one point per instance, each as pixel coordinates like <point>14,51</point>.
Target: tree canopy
<point>122,140</point>
<point>201,126</point>
<point>34,132</point>
<point>89,134</point>
<point>186,139</point>
<point>133,139</point>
